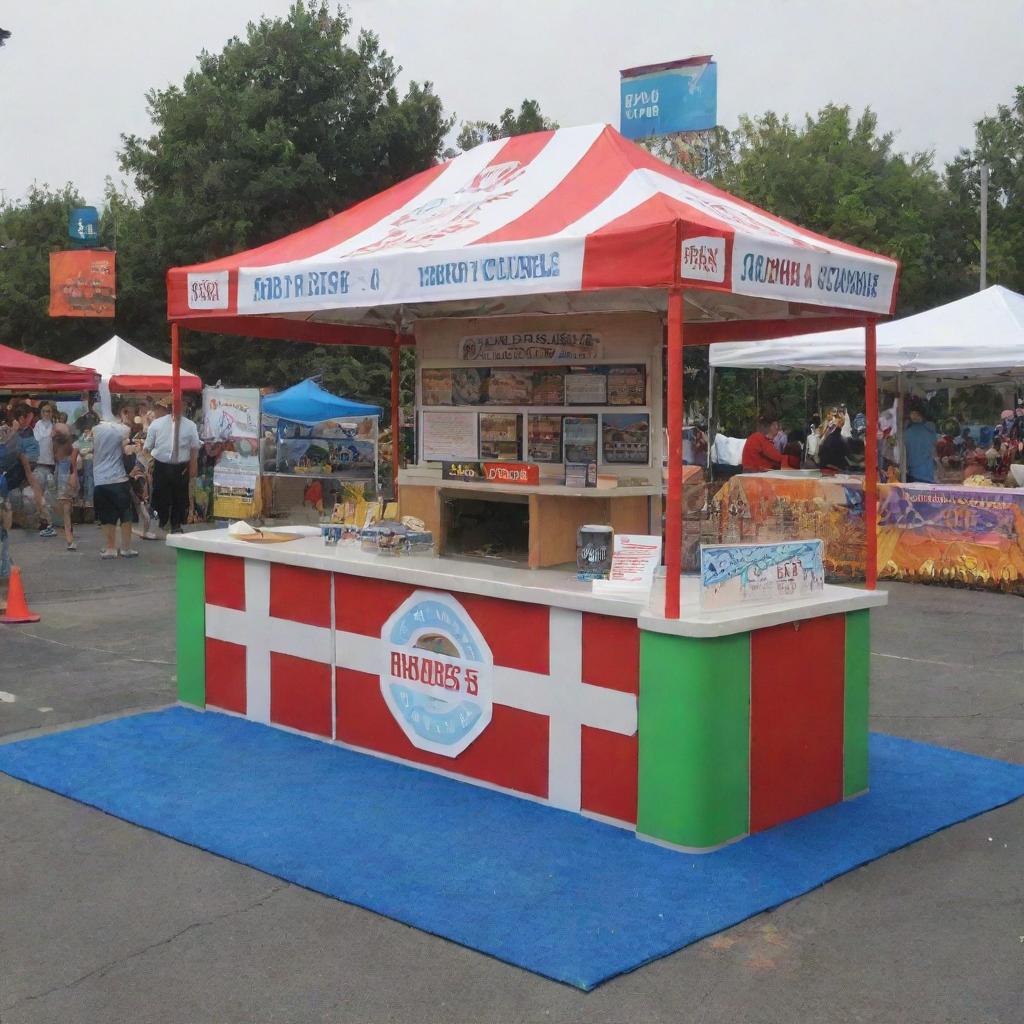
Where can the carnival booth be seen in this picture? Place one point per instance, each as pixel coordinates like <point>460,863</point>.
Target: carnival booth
<point>24,373</point>
<point>125,369</point>
<point>965,528</point>
<point>310,434</point>
<point>540,279</point>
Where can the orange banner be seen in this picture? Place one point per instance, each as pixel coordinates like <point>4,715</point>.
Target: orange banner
<point>82,283</point>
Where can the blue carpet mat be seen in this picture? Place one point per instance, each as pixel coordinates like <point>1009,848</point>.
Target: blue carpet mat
<point>568,898</point>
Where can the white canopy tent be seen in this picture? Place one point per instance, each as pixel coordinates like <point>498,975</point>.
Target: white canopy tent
<point>124,368</point>
<point>978,339</point>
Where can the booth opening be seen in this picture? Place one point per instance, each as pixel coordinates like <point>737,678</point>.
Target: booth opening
<point>496,529</point>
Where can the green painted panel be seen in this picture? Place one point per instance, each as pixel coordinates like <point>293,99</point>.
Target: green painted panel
<point>191,628</point>
<point>694,728</point>
<point>855,702</point>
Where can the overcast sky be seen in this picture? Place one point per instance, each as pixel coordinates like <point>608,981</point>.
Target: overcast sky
<point>74,73</point>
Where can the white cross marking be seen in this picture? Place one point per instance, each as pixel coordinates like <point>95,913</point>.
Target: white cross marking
<point>561,696</point>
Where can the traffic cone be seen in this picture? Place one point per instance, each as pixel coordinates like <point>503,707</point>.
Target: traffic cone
<point>17,607</point>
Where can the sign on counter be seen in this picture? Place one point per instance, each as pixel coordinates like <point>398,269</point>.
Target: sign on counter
<point>736,575</point>
<point>491,472</point>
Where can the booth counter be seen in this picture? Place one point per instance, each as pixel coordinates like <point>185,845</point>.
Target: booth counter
<point>691,732</point>
<point>931,533</point>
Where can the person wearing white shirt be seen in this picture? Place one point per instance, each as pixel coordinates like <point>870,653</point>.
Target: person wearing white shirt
<point>172,470</point>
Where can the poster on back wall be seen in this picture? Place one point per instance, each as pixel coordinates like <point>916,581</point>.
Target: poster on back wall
<point>230,413</point>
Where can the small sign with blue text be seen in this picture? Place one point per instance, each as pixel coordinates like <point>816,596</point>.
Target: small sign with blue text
<point>662,99</point>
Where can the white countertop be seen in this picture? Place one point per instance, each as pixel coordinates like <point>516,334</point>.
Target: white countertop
<point>553,587</point>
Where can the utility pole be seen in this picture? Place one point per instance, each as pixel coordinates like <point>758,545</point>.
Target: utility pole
<point>984,227</point>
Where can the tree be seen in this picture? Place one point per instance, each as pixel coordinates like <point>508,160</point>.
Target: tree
<point>839,176</point>
<point>29,232</point>
<point>278,131</point>
<point>998,144</point>
<point>529,119</point>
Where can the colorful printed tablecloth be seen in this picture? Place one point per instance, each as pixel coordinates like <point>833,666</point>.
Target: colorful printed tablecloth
<point>927,533</point>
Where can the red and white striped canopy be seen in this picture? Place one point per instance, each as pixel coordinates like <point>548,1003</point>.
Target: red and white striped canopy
<point>580,213</point>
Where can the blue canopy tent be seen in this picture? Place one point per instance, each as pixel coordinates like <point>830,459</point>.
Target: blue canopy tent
<point>308,403</point>
<point>335,450</point>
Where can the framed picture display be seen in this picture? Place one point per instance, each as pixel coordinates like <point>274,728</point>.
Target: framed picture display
<point>499,437</point>
<point>627,385</point>
<point>448,436</point>
<point>436,387</point>
<point>543,438</point>
<point>549,385</point>
<point>626,438</point>
<point>469,385</point>
<point>586,387</point>
<point>579,438</point>
<point>510,387</point>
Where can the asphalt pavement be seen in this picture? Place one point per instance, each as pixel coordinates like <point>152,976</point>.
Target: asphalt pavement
<point>101,921</point>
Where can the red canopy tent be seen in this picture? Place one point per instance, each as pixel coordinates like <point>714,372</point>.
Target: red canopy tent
<point>20,371</point>
<point>573,220</point>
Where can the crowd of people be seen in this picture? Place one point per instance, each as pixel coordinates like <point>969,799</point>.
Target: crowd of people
<point>122,466</point>
<point>835,444</point>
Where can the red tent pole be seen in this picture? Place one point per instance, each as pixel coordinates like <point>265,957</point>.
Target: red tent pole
<point>175,388</point>
<point>871,456</point>
<point>674,423</point>
<point>396,353</point>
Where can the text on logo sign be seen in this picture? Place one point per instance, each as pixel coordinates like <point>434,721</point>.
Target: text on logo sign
<point>433,672</point>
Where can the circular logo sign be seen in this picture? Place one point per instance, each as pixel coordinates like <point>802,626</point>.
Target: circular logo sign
<point>437,679</point>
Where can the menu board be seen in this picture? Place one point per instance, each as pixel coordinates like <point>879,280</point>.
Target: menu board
<point>586,387</point>
<point>448,436</point>
<point>436,387</point>
<point>580,434</point>
<point>469,386</point>
<point>627,385</point>
<point>509,387</point>
<point>544,438</point>
<point>499,436</point>
<point>626,438</point>
<point>549,386</point>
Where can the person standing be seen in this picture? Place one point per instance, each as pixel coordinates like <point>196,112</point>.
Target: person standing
<point>65,461</point>
<point>172,470</point>
<point>29,448</point>
<point>759,451</point>
<point>919,439</point>
<point>44,468</point>
<point>111,497</point>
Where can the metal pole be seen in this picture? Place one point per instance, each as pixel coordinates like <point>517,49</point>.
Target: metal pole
<point>395,413</point>
<point>711,409</point>
<point>674,418</point>
<point>900,415</point>
<point>983,284</point>
<point>871,457</point>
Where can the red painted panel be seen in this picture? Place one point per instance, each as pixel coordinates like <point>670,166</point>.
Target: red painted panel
<point>512,751</point>
<point>225,581</point>
<point>516,633</point>
<point>363,605</point>
<point>300,693</point>
<point>609,774</point>
<point>796,719</point>
<point>301,595</point>
<point>611,652</point>
<point>225,674</point>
